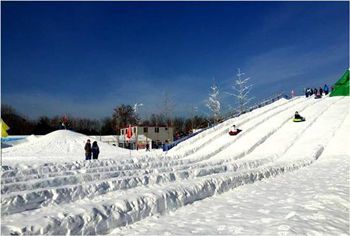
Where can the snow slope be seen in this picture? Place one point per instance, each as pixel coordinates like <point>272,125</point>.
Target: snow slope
<point>251,183</point>
<point>313,200</point>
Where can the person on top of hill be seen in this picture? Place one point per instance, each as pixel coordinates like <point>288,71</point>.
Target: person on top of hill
<point>95,150</point>
<point>318,93</point>
<point>311,92</point>
<point>88,150</point>
<point>308,92</point>
<point>325,89</point>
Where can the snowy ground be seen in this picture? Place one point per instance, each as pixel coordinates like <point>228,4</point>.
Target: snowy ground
<point>58,146</point>
<point>276,177</point>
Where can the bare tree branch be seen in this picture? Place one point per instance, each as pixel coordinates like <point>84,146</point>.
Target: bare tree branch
<point>241,91</point>
<point>213,102</point>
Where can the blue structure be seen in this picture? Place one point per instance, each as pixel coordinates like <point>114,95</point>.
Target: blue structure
<point>11,139</point>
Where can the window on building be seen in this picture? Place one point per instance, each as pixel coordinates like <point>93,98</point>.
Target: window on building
<point>134,130</point>
<point>156,129</point>
<point>122,132</point>
<point>145,129</point>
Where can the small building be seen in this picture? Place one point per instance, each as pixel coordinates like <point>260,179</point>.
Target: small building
<point>155,136</point>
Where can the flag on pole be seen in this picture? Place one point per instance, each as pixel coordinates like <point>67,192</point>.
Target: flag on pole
<point>129,132</point>
<point>4,128</point>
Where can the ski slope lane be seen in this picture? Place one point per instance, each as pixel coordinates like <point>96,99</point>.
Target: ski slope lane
<point>217,147</point>
<point>266,130</point>
<point>311,146</point>
<point>189,146</point>
<point>287,135</point>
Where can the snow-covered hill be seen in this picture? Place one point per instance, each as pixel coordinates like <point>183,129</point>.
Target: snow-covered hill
<point>60,145</point>
<point>252,183</point>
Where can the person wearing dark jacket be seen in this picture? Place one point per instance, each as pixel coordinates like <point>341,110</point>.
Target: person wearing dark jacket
<point>298,116</point>
<point>95,150</point>
<point>325,89</point>
<point>88,150</point>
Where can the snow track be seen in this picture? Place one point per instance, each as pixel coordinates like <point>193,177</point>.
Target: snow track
<point>199,141</point>
<point>95,197</point>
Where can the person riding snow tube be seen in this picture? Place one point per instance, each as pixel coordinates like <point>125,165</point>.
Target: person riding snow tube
<point>298,118</point>
<point>234,131</point>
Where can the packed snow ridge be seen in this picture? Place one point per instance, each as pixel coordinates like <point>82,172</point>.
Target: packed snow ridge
<point>97,197</point>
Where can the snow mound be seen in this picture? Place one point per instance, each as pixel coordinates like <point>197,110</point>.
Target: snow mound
<point>31,138</point>
<point>62,143</point>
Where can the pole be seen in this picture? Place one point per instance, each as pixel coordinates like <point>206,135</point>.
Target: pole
<point>137,138</point>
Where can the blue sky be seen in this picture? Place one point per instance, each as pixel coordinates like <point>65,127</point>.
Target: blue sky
<point>85,58</point>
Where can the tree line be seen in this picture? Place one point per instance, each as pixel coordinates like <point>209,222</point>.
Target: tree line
<point>122,116</point>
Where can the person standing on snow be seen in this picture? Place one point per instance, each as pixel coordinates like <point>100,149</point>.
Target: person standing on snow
<point>309,92</point>
<point>321,91</point>
<point>88,150</point>
<point>325,89</point>
<point>95,150</point>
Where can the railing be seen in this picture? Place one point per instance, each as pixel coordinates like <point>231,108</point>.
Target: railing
<point>167,147</point>
<point>265,102</point>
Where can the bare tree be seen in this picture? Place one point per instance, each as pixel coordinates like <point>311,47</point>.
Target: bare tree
<point>124,115</point>
<point>213,102</point>
<point>136,110</point>
<point>192,113</point>
<point>241,90</point>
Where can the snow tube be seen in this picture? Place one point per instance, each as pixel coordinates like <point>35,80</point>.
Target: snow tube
<point>234,132</point>
<point>299,120</point>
